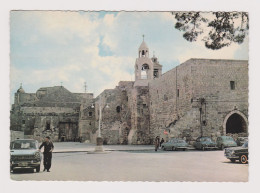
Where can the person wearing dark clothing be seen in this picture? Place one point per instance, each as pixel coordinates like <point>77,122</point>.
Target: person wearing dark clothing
<point>162,141</point>
<point>47,153</point>
<point>157,142</point>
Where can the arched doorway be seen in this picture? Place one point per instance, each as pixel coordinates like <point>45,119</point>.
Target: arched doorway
<point>235,122</point>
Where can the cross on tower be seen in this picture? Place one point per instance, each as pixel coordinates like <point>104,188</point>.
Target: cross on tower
<point>143,37</point>
<point>61,83</point>
<point>21,84</point>
<point>85,86</point>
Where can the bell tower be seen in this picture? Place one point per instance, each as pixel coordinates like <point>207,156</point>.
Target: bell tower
<point>143,65</point>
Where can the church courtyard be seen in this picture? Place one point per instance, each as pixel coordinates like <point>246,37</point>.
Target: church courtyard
<point>137,163</point>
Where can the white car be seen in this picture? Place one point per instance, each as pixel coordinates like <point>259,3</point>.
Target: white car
<point>24,153</point>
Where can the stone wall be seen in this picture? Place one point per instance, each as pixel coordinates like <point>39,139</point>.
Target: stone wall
<point>116,114</point>
<point>198,79</point>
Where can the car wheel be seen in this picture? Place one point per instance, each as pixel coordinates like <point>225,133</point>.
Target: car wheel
<point>184,149</point>
<point>243,159</point>
<point>222,147</point>
<point>163,148</point>
<point>233,160</point>
<point>203,148</point>
<point>173,149</point>
<point>38,168</point>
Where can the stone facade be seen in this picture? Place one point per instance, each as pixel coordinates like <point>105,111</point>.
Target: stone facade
<point>52,111</point>
<point>200,97</point>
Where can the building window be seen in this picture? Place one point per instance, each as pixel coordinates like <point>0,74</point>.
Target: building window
<point>48,126</point>
<point>178,92</point>
<point>118,109</point>
<point>23,121</point>
<point>232,85</point>
<point>89,123</point>
<point>165,98</point>
<point>155,73</point>
<point>90,114</point>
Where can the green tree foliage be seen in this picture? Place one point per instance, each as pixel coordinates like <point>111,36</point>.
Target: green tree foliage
<point>219,29</point>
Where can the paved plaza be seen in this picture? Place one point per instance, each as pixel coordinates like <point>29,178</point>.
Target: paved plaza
<point>71,161</point>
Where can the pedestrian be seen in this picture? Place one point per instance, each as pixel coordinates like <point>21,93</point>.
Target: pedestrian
<point>162,141</point>
<point>157,142</point>
<point>47,153</point>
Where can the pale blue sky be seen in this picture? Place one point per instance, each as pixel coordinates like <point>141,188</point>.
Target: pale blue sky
<point>49,47</point>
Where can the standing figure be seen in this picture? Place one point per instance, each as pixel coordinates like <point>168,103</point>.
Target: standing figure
<point>162,141</point>
<point>157,143</point>
<point>47,153</point>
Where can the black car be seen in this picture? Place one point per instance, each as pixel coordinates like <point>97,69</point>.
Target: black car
<point>238,153</point>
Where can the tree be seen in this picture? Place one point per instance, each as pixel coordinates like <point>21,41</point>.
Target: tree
<point>220,29</point>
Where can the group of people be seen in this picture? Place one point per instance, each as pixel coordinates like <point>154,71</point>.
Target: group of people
<point>158,143</point>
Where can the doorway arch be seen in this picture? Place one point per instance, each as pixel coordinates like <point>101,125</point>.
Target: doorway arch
<point>235,122</point>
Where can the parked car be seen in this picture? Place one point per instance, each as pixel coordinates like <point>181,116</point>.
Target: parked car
<point>205,143</point>
<point>237,153</point>
<point>225,141</point>
<point>175,144</point>
<point>241,140</point>
<point>24,153</point>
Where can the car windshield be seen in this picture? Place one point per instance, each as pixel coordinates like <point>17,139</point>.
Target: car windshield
<point>23,145</point>
<point>245,145</point>
<point>181,141</point>
<point>205,139</point>
<point>228,138</point>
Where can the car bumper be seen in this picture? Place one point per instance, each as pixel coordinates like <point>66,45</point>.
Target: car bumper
<point>25,164</point>
<point>231,156</point>
<point>184,147</point>
<point>210,147</point>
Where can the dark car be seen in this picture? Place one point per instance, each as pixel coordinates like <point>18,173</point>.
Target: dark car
<point>205,143</point>
<point>237,153</point>
<point>225,141</point>
<point>241,140</point>
<point>175,144</point>
<point>25,154</point>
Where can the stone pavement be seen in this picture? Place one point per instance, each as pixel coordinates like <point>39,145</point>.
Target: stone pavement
<point>69,147</point>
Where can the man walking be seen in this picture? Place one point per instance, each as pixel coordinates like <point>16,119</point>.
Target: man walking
<point>47,153</point>
<point>157,143</point>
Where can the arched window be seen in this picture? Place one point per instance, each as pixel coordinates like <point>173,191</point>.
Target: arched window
<point>144,72</point>
<point>143,53</point>
<point>118,109</point>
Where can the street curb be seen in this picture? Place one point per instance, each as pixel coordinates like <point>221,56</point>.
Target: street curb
<point>112,150</point>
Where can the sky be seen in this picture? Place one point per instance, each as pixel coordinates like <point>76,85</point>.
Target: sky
<point>99,48</point>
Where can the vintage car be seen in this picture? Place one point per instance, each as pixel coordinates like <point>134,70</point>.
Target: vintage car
<point>205,143</point>
<point>25,154</point>
<point>237,153</point>
<point>241,140</point>
<point>175,144</point>
<point>225,141</point>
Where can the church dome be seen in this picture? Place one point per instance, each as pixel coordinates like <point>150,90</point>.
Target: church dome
<point>20,90</point>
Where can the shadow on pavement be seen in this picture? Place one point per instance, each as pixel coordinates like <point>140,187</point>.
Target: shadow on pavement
<point>23,171</point>
<point>229,162</point>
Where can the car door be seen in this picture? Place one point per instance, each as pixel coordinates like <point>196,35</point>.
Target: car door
<point>218,141</point>
<point>197,143</point>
